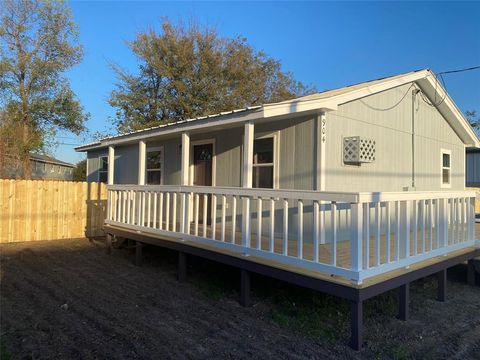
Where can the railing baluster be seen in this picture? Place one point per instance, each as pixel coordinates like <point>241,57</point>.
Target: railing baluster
<point>430,224</point>
<point>196,201</point>
<point>234,218</point>
<point>300,229</point>
<point>167,211</point>
<point>388,232</point>
<point>205,207</point>
<point>285,227</point>
<point>452,221</point>
<point>415,226</point>
<point>188,206</point>
<point>224,211</point>
<point>139,206</point>
<point>333,225</point>
<point>422,207</point>
<point>405,226</point>
<point>127,209</point>
<point>134,206</point>
<point>397,230</point>
<point>316,224</point>
<point>124,206</point>
<point>437,223</point>
<point>174,211</point>
<point>160,212</point>
<point>214,216</point>
<point>271,246</point>
<point>366,235</point>
<point>356,241</point>
<point>259,223</point>
<point>149,207</point>
<point>377,233</point>
<point>154,216</point>
<point>471,218</point>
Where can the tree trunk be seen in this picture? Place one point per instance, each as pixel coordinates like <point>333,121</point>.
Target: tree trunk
<point>25,153</point>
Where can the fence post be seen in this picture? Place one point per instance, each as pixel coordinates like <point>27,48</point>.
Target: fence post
<point>356,237</point>
<point>405,229</point>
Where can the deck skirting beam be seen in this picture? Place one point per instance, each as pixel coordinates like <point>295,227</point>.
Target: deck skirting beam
<point>356,324</point>
<point>442,285</point>
<point>244,288</point>
<point>182,267</point>
<point>404,302</point>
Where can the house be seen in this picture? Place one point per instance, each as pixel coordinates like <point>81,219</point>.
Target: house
<point>472,168</point>
<point>45,167</point>
<point>352,191</point>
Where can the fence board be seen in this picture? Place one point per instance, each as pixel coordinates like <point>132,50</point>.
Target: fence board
<point>49,210</point>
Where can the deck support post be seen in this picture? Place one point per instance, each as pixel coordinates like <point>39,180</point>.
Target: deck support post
<point>182,267</point>
<point>404,302</point>
<point>244,288</point>
<point>108,244</point>
<point>471,273</point>
<point>138,253</point>
<point>356,324</point>
<point>442,285</point>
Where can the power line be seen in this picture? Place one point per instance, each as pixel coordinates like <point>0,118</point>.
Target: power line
<point>459,70</point>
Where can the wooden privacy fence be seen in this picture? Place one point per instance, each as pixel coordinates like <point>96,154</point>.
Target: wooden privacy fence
<point>33,210</point>
<point>477,202</point>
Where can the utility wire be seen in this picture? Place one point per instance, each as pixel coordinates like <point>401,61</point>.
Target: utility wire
<point>459,70</point>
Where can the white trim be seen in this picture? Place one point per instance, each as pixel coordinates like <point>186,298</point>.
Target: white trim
<point>142,146</point>
<point>214,159</point>
<point>247,160</point>
<point>276,154</point>
<point>160,148</point>
<point>111,165</point>
<point>442,184</point>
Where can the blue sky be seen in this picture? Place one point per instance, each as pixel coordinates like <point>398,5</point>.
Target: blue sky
<point>327,44</point>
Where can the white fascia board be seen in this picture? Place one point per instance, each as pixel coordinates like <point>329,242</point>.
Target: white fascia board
<point>299,106</point>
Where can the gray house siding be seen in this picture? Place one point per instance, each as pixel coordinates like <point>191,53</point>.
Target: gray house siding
<point>93,163</point>
<point>390,126</point>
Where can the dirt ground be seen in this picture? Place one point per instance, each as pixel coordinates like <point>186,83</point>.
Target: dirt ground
<point>69,300</point>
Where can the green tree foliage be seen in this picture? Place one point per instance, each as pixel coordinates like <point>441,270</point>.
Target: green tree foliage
<point>80,171</point>
<point>473,119</point>
<point>190,71</point>
<point>38,43</point>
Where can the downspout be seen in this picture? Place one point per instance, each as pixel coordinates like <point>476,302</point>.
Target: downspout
<point>414,94</point>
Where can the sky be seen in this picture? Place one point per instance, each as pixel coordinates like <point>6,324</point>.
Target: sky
<point>326,44</point>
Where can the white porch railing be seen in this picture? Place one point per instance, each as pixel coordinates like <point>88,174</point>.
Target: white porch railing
<point>352,235</point>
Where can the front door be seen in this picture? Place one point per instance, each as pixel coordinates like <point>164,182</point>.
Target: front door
<point>202,174</point>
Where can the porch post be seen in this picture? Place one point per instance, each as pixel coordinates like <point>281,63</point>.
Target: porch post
<point>111,165</point>
<point>247,180</point>
<point>185,164</point>
<point>321,138</point>
<point>142,150</point>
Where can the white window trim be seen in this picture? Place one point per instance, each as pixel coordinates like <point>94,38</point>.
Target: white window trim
<point>442,185</point>
<point>276,154</point>
<point>102,171</point>
<point>160,148</point>
<point>214,160</point>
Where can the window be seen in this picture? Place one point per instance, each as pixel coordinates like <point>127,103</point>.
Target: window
<point>59,169</point>
<point>263,163</point>
<point>154,166</point>
<point>103,169</point>
<point>446,178</point>
<point>52,168</point>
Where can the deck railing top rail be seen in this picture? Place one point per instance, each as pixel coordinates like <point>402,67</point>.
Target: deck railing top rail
<point>330,196</point>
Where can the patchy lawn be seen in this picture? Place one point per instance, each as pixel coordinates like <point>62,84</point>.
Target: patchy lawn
<point>67,300</point>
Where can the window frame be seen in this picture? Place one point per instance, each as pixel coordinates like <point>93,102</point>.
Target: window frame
<point>449,168</point>
<point>160,148</point>
<point>267,135</point>
<point>99,168</point>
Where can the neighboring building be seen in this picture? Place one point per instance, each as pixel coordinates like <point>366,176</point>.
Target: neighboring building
<point>47,168</point>
<point>472,168</point>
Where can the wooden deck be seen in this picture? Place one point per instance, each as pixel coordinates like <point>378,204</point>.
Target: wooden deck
<point>325,254</point>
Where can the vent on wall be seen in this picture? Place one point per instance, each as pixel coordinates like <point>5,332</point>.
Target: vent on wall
<point>358,150</point>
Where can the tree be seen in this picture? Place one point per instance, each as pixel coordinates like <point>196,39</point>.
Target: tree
<point>80,171</point>
<point>38,43</point>
<point>473,119</point>
<point>185,72</point>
